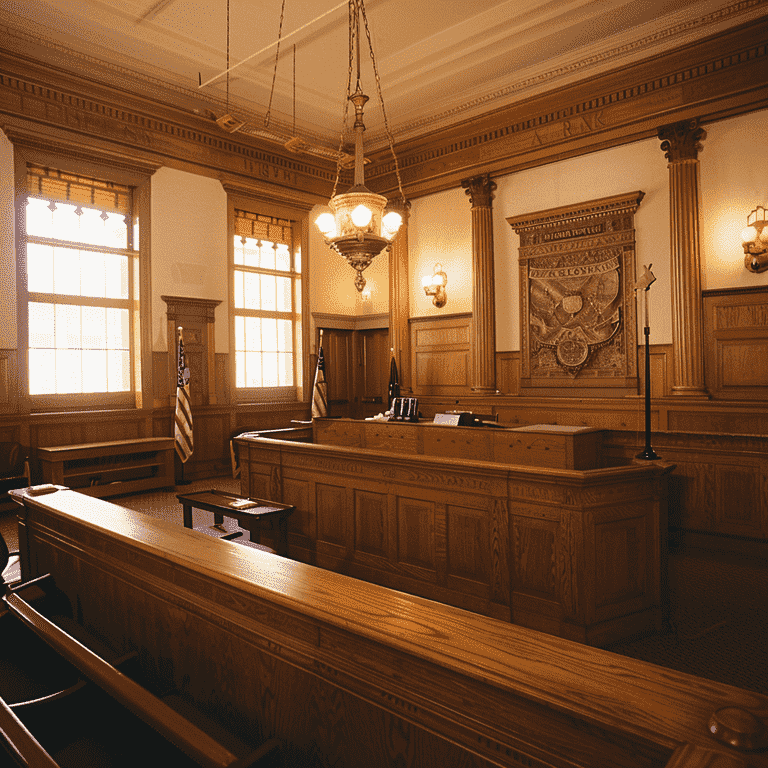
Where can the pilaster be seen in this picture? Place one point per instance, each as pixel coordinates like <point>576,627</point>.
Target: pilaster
<point>681,143</point>
<point>480,191</point>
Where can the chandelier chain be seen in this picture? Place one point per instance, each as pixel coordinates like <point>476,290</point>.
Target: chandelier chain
<point>390,139</point>
<point>267,117</point>
<point>345,116</point>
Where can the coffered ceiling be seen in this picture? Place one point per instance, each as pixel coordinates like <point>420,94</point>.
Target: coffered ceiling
<point>440,62</point>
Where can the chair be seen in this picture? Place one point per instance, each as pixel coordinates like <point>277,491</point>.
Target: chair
<point>10,571</point>
<point>14,468</point>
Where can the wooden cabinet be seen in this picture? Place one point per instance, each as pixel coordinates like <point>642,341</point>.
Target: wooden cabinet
<point>110,469</point>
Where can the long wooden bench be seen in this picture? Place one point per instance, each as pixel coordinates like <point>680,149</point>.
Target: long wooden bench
<point>353,674</point>
<point>111,468</point>
<point>28,725</point>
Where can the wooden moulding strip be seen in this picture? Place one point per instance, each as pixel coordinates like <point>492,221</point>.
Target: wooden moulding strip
<point>177,729</point>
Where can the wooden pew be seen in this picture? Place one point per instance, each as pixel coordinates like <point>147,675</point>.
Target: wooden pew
<point>175,728</point>
<point>348,673</point>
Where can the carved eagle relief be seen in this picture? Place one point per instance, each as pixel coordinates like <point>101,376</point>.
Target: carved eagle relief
<point>575,308</point>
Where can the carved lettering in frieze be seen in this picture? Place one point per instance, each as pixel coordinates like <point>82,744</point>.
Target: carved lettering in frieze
<point>583,124</point>
<point>269,172</point>
<point>543,134</point>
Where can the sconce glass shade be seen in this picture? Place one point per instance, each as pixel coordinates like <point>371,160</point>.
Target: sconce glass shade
<point>434,286</point>
<point>754,240</point>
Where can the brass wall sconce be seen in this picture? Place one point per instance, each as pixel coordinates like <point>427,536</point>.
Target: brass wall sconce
<point>754,240</point>
<point>434,286</point>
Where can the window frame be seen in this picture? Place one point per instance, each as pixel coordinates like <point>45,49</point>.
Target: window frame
<point>300,222</point>
<point>139,302</point>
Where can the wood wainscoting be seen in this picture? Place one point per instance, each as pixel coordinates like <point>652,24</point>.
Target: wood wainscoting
<point>349,674</point>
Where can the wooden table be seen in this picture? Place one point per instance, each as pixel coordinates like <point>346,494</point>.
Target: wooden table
<point>222,504</point>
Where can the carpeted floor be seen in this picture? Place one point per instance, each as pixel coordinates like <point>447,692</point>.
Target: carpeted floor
<point>718,602</point>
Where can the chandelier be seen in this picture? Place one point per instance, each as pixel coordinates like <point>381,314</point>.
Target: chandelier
<point>360,224</point>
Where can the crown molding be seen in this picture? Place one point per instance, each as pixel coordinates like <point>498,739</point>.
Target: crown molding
<point>37,99</point>
<point>721,76</point>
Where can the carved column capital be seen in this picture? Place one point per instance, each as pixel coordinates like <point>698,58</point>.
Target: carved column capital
<point>682,141</point>
<point>480,190</point>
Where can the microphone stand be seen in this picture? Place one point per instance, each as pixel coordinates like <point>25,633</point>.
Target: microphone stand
<point>644,284</point>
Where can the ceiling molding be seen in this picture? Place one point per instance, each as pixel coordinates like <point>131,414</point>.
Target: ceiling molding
<point>721,76</point>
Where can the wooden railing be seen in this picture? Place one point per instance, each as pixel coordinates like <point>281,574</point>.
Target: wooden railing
<point>350,674</point>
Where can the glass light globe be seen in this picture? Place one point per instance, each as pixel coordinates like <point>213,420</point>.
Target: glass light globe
<point>391,224</point>
<point>361,216</point>
<point>326,223</point>
<point>748,234</point>
<point>426,281</point>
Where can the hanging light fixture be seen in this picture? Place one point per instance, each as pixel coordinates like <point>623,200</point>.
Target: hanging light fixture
<point>359,224</point>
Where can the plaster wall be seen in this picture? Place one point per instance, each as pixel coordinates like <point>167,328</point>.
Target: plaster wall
<point>189,248</point>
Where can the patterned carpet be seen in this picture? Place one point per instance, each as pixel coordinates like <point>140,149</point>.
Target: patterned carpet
<point>718,602</point>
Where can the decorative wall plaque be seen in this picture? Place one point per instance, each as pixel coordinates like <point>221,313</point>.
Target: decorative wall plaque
<point>577,304</point>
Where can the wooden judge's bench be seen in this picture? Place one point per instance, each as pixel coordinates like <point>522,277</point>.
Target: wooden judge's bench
<point>524,525</point>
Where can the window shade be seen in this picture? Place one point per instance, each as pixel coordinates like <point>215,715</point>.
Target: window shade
<point>263,227</point>
<point>68,187</point>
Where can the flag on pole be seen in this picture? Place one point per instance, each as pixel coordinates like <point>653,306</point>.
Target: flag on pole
<point>320,390</point>
<point>182,431</point>
<point>394,380</point>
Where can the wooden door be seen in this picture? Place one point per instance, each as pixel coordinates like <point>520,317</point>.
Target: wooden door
<point>372,372</point>
<point>338,351</point>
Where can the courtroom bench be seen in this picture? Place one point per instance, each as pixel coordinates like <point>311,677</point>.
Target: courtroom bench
<point>351,674</point>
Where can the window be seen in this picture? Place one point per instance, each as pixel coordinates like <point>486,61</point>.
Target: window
<point>267,304</point>
<point>82,282</point>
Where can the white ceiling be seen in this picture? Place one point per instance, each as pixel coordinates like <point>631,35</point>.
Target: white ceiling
<point>440,61</point>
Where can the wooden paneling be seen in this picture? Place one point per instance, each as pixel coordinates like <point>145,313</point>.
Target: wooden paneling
<point>736,334</point>
<point>348,674</point>
<point>719,484</point>
<point>495,538</point>
<point>441,354</point>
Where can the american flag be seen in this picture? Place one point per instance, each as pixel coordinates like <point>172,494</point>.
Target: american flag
<point>182,430</point>
<point>320,390</point>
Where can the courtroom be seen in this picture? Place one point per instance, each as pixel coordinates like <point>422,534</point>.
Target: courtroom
<point>402,396</point>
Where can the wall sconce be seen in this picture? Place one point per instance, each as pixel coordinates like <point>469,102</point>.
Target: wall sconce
<point>434,286</point>
<point>754,240</point>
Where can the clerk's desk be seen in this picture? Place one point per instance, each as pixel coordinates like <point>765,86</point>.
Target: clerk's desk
<point>523,525</point>
<point>351,674</point>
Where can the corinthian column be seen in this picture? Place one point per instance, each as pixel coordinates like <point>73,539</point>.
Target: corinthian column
<point>399,303</point>
<point>480,190</point>
<point>681,143</point>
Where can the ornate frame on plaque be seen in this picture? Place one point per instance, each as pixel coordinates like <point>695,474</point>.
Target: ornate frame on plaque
<point>577,304</point>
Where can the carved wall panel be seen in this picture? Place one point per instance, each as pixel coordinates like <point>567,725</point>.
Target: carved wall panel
<point>441,350</point>
<point>619,561</point>
<point>468,545</point>
<point>577,303</point>
<point>736,343</point>
<point>416,533</point>
<point>371,523</point>
<point>331,521</point>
